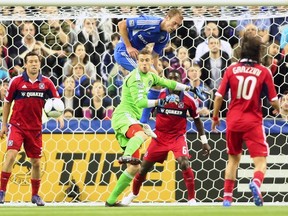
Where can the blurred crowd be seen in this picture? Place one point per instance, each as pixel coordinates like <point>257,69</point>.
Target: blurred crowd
<point>77,54</point>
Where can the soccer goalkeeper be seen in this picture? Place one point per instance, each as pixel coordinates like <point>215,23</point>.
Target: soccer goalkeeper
<point>125,120</point>
<point>173,139</point>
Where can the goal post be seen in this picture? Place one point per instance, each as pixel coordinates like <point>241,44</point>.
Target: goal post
<point>85,151</point>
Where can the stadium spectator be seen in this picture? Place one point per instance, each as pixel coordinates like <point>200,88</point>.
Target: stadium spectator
<point>262,24</point>
<point>136,33</point>
<point>93,39</point>
<point>253,30</point>
<point>194,80</point>
<point>173,139</point>
<point>100,105</point>
<point>28,44</point>
<point>25,124</point>
<point>108,60</point>
<point>79,55</point>
<point>278,23</point>
<point>70,100</point>
<point>125,120</point>
<point>213,64</point>
<point>3,90</point>
<point>284,106</point>
<point>55,34</point>
<point>4,58</point>
<point>14,26</point>
<point>212,30</point>
<point>246,80</point>
<point>181,62</point>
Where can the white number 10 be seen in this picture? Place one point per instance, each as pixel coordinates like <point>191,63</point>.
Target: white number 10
<point>244,90</point>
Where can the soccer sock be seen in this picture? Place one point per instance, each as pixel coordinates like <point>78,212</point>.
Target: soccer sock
<point>35,186</point>
<point>188,176</point>
<point>152,94</point>
<point>228,189</point>
<point>4,180</point>
<point>132,145</point>
<point>258,178</point>
<point>137,183</point>
<point>122,183</point>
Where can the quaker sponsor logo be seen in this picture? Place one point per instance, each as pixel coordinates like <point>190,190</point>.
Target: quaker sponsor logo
<point>171,112</point>
<point>41,86</point>
<point>32,94</point>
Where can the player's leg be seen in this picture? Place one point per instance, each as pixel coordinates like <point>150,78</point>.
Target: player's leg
<point>234,146</point>
<point>181,153</point>
<point>188,176</point>
<point>136,137</point>
<point>259,150</point>
<point>33,149</point>
<point>132,158</point>
<point>15,140</point>
<point>122,183</point>
<point>138,180</point>
<point>157,152</point>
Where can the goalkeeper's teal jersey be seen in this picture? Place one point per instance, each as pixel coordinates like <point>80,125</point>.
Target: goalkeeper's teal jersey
<point>135,89</point>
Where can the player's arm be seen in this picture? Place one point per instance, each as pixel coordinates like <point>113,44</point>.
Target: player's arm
<point>200,128</point>
<point>6,113</point>
<point>122,25</point>
<point>217,105</point>
<point>170,84</point>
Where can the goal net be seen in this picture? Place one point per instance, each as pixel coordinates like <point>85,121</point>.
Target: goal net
<point>80,161</point>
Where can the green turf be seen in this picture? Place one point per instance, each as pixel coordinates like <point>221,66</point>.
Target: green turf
<point>148,210</point>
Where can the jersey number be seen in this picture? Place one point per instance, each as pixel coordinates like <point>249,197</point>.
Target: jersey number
<point>246,87</point>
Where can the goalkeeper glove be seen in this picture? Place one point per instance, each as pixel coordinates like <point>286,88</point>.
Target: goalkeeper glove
<point>172,98</point>
<point>199,93</point>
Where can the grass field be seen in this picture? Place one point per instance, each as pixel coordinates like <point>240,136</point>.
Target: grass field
<point>145,211</point>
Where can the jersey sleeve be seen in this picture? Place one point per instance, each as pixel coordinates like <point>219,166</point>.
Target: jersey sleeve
<point>162,81</point>
<point>141,22</point>
<point>9,97</point>
<point>52,91</point>
<point>224,85</point>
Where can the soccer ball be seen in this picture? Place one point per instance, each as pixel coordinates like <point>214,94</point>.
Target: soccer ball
<point>54,107</point>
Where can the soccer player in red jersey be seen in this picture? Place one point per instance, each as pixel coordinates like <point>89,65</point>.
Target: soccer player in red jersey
<point>172,138</point>
<point>28,91</point>
<point>246,80</point>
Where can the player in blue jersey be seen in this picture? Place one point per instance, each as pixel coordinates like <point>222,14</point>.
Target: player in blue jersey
<point>136,33</point>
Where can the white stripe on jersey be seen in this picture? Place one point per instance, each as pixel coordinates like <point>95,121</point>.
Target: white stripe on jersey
<point>148,22</point>
<point>129,59</point>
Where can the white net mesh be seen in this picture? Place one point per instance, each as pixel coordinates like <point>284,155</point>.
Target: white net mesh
<point>86,150</point>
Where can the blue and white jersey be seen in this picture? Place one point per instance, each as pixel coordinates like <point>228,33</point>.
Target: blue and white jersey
<point>143,30</point>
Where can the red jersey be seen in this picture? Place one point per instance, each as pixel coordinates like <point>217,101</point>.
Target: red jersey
<point>172,118</point>
<point>247,82</point>
<point>29,99</point>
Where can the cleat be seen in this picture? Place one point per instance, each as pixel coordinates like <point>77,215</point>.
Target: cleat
<point>192,202</point>
<point>127,200</point>
<point>257,196</point>
<point>149,132</point>
<point>37,200</point>
<point>129,159</point>
<point>2,197</point>
<point>226,203</point>
<point>117,204</point>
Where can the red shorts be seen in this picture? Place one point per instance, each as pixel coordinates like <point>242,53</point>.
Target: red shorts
<point>31,140</point>
<point>158,148</point>
<point>255,140</point>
